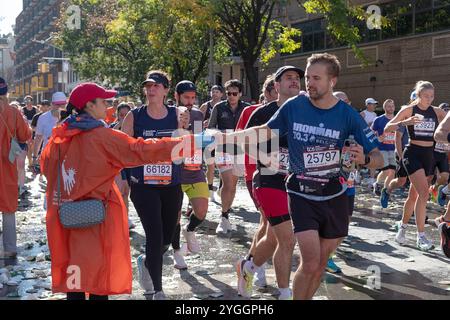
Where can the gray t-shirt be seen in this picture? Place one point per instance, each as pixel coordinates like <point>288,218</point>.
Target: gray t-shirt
<point>192,170</point>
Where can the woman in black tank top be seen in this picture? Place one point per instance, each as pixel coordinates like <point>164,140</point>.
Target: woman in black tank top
<point>421,120</point>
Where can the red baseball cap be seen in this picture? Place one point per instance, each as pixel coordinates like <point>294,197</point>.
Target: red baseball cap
<point>85,92</point>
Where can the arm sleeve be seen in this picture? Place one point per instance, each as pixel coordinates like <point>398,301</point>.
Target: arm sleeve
<point>364,135</point>
<point>126,152</point>
<point>279,121</point>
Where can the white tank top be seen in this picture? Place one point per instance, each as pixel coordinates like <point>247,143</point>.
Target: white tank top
<point>369,117</point>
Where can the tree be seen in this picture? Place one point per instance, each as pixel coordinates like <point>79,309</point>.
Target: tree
<point>250,31</point>
<point>120,40</point>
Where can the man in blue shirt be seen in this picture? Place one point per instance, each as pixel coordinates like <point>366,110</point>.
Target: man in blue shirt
<point>387,147</point>
<point>317,127</point>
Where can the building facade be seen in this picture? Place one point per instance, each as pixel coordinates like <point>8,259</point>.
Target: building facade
<point>7,56</point>
<point>416,46</point>
<point>33,29</point>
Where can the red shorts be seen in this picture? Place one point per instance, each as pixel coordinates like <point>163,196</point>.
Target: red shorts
<point>251,191</point>
<point>274,204</point>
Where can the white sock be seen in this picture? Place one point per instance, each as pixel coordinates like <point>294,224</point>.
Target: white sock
<point>249,266</point>
<point>421,234</point>
<point>285,293</point>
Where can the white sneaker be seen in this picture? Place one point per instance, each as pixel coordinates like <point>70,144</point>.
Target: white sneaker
<point>287,296</point>
<point>400,238</point>
<point>224,226</point>
<point>424,244</point>
<point>131,225</point>
<point>245,280</point>
<point>159,296</point>
<point>144,278</point>
<point>178,260</point>
<point>260,277</point>
<point>192,242</point>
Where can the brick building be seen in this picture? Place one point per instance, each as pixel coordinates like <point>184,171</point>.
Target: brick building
<point>415,47</point>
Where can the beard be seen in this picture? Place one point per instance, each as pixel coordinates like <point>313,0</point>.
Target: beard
<point>315,94</point>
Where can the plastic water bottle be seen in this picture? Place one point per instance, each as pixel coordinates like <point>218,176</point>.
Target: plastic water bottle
<point>347,164</point>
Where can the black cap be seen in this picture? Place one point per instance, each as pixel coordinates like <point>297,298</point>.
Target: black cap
<point>284,69</point>
<point>45,103</point>
<point>157,77</point>
<point>185,86</point>
<point>217,87</point>
<point>444,106</point>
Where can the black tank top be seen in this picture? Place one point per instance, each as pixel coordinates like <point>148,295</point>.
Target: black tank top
<point>424,131</point>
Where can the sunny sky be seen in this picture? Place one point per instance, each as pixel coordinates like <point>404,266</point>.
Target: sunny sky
<point>9,10</point>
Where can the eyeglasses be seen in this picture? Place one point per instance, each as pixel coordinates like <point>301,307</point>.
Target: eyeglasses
<point>234,94</point>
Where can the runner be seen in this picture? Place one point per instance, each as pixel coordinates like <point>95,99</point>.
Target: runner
<point>270,94</point>
<point>29,111</point>
<point>387,147</point>
<point>156,187</point>
<point>206,108</point>
<point>87,156</point>
<point>225,116</point>
<point>123,177</point>
<point>401,176</point>
<point>46,123</point>
<point>270,192</point>
<point>317,127</point>
<point>193,180</point>
<point>421,120</point>
<point>13,129</point>
<point>441,151</point>
<point>442,135</point>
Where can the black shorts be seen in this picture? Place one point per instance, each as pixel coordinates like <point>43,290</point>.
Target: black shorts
<point>330,218</point>
<point>400,171</point>
<point>416,158</point>
<point>441,162</point>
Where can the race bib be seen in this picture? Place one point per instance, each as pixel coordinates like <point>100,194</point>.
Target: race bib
<point>442,147</point>
<point>223,159</point>
<point>283,160</point>
<point>388,138</point>
<point>194,163</point>
<point>321,161</point>
<point>425,128</point>
<point>159,174</point>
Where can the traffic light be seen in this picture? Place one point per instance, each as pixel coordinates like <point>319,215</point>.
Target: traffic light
<point>43,67</point>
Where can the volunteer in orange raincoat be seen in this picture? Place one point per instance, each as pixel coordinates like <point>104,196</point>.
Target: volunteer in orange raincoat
<point>89,156</point>
<point>12,125</point>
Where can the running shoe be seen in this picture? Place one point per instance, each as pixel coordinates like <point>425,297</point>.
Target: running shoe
<point>384,199</point>
<point>442,197</point>
<point>424,244</point>
<point>144,278</point>
<point>192,242</point>
<point>260,277</point>
<point>178,260</point>
<point>159,296</point>
<point>224,226</point>
<point>286,297</point>
<point>400,238</point>
<point>433,194</point>
<point>245,280</point>
<point>376,189</point>
<point>332,267</point>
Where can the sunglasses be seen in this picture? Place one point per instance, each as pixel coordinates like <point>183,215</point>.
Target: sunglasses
<point>234,94</point>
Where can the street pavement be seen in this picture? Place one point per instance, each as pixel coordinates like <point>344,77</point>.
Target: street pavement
<point>374,266</point>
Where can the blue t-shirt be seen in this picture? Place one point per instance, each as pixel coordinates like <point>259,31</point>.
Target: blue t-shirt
<point>315,138</point>
<point>378,126</point>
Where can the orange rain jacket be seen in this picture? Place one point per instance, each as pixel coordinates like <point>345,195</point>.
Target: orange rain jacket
<point>99,256</point>
<point>17,127</point>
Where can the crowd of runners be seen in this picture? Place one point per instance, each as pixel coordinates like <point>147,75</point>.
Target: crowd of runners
<point>300,151</point>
